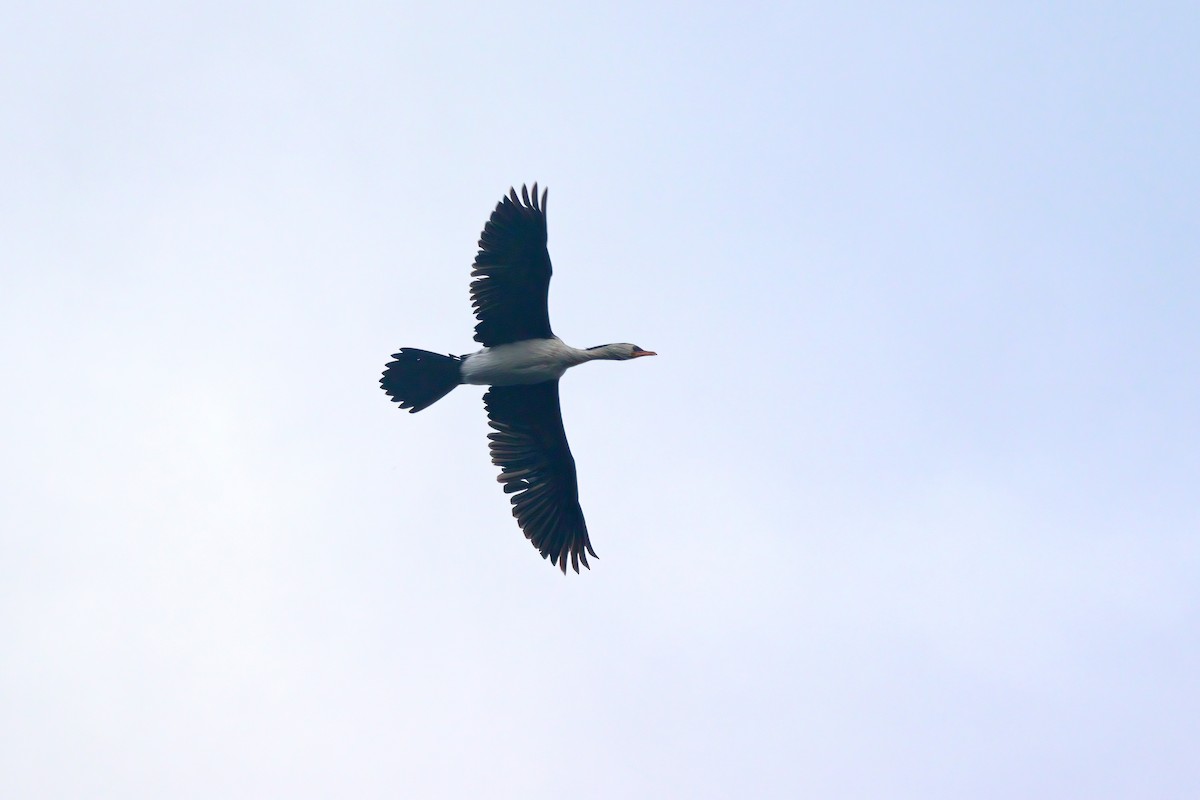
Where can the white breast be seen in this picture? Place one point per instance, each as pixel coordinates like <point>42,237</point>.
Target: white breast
<point>531,361</point>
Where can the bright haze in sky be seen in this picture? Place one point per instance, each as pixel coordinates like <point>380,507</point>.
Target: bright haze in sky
<point>906,507</point>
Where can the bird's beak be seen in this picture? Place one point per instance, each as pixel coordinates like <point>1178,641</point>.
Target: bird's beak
<point>639,353</point>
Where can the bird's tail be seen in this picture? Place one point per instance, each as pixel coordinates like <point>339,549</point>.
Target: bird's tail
<point>417,378</point>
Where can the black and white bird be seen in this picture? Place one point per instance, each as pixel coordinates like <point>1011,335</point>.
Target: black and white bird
<point>521,361</point>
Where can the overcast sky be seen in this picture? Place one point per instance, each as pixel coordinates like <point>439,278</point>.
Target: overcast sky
<point>906,507</point>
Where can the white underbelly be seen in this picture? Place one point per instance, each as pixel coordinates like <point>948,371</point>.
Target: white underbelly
<point>531,361</point>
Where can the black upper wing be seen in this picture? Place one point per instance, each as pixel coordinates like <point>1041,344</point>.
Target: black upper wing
<point>512,272</point>
<point>530,447</point>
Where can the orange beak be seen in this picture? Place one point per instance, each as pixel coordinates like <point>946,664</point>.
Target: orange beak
<point>640,353</point>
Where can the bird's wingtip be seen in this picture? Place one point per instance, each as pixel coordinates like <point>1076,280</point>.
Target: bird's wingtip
<point>528,197</point>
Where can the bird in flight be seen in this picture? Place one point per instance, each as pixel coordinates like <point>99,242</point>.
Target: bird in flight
<point>521,361</point>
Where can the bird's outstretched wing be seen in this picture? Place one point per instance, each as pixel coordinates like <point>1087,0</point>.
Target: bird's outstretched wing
<point>536,467</point>
<point>512,272</point>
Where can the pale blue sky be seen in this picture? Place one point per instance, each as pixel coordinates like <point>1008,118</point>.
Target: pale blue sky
<point>906,508</point>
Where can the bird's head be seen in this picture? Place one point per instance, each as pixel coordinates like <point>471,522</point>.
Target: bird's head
<point>621,351</point>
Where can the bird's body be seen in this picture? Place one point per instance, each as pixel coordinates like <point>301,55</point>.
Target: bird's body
<point>517,363</point>
<point>521,361</point>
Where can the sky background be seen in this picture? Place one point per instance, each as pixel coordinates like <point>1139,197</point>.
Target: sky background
<point>906,507</point>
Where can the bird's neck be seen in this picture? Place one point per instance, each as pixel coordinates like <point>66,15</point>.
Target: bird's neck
<point>609,352</point>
